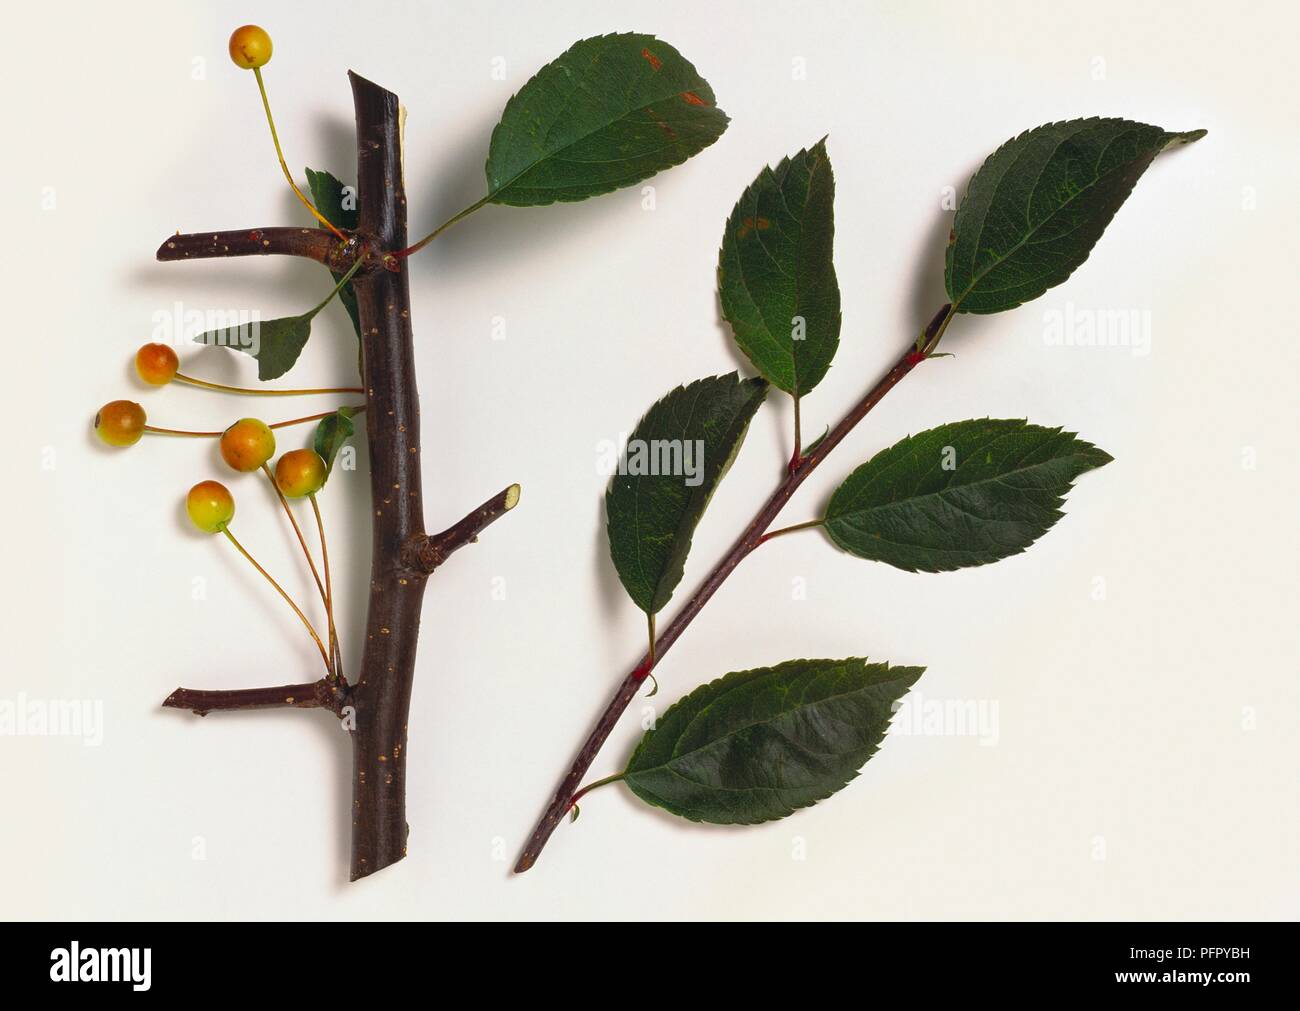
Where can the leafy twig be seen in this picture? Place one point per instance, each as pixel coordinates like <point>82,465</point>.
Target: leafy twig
<point>747,542</point>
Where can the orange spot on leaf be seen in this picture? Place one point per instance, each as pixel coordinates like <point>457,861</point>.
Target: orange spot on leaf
<point>668,130</point>
<point>652,59</point>
<point>690,98</point>
<point>750,224</point>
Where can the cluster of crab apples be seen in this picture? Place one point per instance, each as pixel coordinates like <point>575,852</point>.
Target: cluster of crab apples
<point>247,445</point>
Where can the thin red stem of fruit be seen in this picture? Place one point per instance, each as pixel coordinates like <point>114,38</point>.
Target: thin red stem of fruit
<point>335,651</point>
<point>246,391</point>
<point>306,553</point>
<point>287,599</point>
<point>275,137</point>
<point>279,424</point>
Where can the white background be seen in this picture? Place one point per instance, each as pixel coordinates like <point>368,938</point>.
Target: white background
<point>1144,759</point>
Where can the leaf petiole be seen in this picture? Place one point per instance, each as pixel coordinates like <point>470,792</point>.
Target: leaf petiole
<point>311,313</point>
<point>791,529</point>
<point>926,347</point>
<point>573,801</point>
<point>401,254</point>
<point>797,456</point>
<point>650,629</point>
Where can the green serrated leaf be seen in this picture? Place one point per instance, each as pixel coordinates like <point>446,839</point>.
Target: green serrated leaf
<point>327,193</point>
<point>275,343</point>
<point>1037,206</point>
<point>962,494</point>
<point>673,463</point>
<point>776,276</point>
<point>331,434</point>
<point>609,112</point>
<point>758,745</point>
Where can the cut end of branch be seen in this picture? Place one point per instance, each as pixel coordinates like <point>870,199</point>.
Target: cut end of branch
<point>180,699</point>
<point>423,553</point>
<point>361,868</point>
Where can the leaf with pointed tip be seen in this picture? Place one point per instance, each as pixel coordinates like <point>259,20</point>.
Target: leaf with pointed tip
<point>758,745</point>
<point>776,276</point>
<point>330,198</point>
<point>1037,206</point>
<point>611,111</point>
<point>332,432</point>
<point>670,469</point>
<point>275,343</point>
<point>962,494</point>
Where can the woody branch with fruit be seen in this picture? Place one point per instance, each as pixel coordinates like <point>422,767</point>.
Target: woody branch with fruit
<point>552,145</point>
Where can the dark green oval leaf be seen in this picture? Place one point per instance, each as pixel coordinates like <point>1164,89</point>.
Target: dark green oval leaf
<point>758,745</point>
<point>327,193</point>
<point>611,111</point>
<point>962,494</point>
<point>1037,206</point>
<point>275,343</point>
<point>672,465</point>
<point>331,433</point>
<point>776,278</point>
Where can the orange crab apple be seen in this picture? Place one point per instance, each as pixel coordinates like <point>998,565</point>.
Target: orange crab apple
<point>156,364</point>
<point>210,505</point>
<point>247,444</point>
<point>300,472</point>
<point>120,423</point>
<point>250,47</point>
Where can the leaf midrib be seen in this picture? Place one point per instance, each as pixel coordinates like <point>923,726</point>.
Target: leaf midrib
<point>1066,203</point>
<point>636,509</point>
<point>736,730</point>
<point>948,488</point>
<point>573,143</point>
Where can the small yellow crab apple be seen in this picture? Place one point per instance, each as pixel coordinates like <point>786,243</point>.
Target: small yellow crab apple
<point>250,47</point>
<point>156,364</point>
<point>211,506</point>
<point>247,444</point>
<point>300,472</point>
<point>120,423</point>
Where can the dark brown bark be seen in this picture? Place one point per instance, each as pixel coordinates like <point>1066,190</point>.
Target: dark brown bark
<point>320,694</point>
<point>376,707</point>
<point>382,696</point>
<point>313,243</point>
<point>747,542</point>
